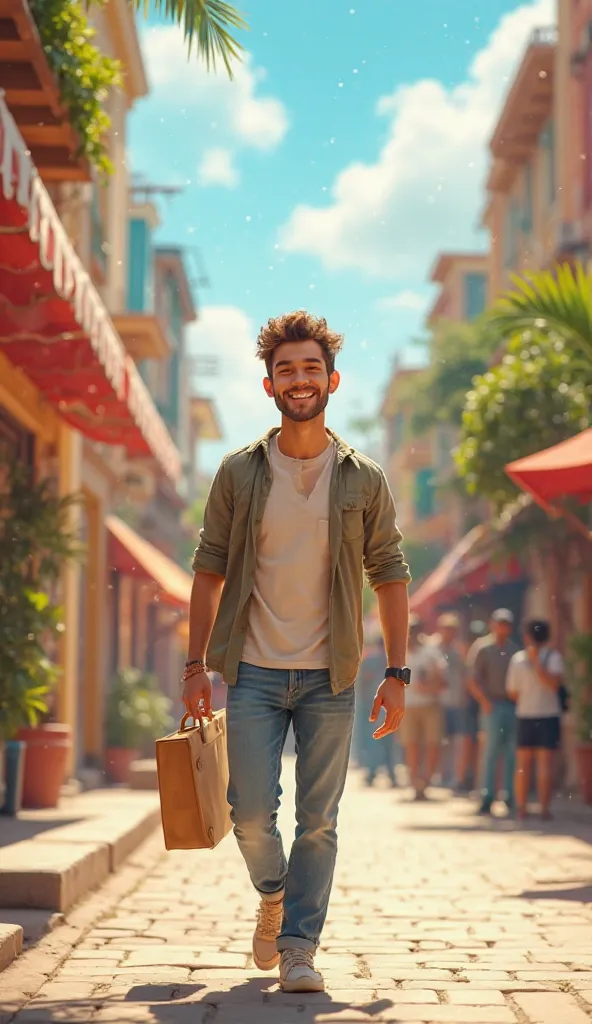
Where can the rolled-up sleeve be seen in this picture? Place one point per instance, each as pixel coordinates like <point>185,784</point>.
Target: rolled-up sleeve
<point>383,559</point>
<point>211,555</point>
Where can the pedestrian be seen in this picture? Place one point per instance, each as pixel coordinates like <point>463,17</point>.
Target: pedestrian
<point>372,754</point>
<point>422,731</point>
<point>534,680</point>
<point>473,738</point>
<point>454,699</point>
<point>499,718</point>
<point>292,521</point>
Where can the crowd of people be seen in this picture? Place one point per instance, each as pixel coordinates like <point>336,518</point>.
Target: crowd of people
<point>482,717</point>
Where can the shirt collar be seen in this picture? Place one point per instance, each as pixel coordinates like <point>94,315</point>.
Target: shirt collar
<point>344,450</point>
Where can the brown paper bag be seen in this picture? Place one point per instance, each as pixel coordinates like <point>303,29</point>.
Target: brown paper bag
<point>192,766</point>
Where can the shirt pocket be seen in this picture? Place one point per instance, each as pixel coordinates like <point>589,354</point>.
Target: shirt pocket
<point>352,517</point>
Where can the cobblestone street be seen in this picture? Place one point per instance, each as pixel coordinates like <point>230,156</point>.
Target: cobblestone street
<point>435,916</point>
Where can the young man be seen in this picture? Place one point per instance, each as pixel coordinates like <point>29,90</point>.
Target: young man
<point>292,521</point>
<point>424,718</point>
<point>534,680</point>
<point>489,672</point>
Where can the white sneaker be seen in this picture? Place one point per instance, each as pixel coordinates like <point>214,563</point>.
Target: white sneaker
<point>297,972</point>
<point>269,926</point>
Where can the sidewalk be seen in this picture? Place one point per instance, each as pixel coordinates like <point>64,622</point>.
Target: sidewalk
<point>51,859</point>
<point>436,916</point>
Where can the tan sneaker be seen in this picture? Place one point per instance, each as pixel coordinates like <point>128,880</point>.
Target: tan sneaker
<point>269,926</point>
<point>297,972</point>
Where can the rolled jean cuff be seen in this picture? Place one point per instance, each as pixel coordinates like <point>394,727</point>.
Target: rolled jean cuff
<point>272,897</point>
<point>294,942</point>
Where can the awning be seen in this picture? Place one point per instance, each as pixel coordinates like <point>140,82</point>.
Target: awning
<point>460,564</point>
<point>54,325</point>
<point>473,566</point>
<point>131,555</point>
<point>565,470</point>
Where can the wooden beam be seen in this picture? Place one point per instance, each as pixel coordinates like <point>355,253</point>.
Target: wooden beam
<point>47,135</point>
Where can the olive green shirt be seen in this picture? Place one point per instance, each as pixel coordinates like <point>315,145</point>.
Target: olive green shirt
<point>363,537</point>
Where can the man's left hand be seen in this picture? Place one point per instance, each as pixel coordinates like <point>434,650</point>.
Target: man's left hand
<point>391,697</point>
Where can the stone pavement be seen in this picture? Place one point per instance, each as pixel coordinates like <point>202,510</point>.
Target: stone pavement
<point>435,917</point>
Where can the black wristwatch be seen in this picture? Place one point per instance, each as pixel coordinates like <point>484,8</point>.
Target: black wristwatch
<point>403,674</point>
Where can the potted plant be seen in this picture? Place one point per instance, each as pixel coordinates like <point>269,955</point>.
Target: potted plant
<point>20,702</point>
<point>137,714</point>
<point>580,689</point>
<point>35,542</point>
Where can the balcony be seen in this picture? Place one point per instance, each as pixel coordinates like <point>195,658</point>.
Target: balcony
<point>32,96</point>
<point>143,335</point>
<point>529,102</point>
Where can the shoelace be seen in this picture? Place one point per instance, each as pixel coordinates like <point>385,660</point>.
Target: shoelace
<point>269,919</point>
<point>297,958</point>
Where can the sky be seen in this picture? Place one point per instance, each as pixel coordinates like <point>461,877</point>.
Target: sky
<point>348,151</point>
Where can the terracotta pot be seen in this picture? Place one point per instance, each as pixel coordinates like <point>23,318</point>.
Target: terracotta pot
<point>584,753</point>
<point>118,762</point>
<point>46,760</point>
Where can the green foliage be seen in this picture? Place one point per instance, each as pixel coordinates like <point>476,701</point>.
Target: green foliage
<point>457,354</point>
<point>579,682</point>
<point>536,397</point>
<point>84,74</point>
<point>208,23</point>
<point>35,541</point>
<point>137,712</point>
<point>551,302</point>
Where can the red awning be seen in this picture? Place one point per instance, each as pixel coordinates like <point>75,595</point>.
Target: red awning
<point>459,564</point>
<point>54,325</point>
<point>565,470</point>
<point>131,555</point>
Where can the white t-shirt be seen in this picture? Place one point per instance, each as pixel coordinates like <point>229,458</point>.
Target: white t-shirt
<point>425,658</point>
<point>533,699</point>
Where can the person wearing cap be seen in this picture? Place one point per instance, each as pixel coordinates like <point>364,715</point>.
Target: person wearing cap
<point>421,732</point>
<point>489,676</point>
<point>454,698</point>
<point>534,682</point>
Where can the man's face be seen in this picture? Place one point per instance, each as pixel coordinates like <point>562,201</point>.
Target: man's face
<point>300,383</point>
<point>502,631</point>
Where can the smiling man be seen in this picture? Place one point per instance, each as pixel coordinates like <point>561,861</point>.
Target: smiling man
<point>291,524</point>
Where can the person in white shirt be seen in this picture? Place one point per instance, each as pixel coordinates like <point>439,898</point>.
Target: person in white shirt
<point>421,733</point>
<point>534,680</point>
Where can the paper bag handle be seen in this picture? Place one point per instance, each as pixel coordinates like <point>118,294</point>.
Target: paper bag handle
<point>199,719</point>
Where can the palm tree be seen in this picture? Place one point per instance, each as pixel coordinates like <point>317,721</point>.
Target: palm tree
<point>557,301</point>
<point>208,23</point>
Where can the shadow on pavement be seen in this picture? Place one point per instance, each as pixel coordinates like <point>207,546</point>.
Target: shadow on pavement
<point>575,894</point>
<point>250,1001</point>
<point>15,830</point>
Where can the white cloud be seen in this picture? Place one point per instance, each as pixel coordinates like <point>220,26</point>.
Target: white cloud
<point>425,189</point>
<point>235,109</point>
<point>406,299</point>
<point>229,335</point>
<point>217,168</point>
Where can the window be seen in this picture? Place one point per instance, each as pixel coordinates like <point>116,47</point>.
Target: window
<point>475,295</point>
<point>527,211</point>
<point>425,497</point>
<point>548,146</point>
<point>511,230</point>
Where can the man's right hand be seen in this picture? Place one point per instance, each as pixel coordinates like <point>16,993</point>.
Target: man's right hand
<point>197,695</point>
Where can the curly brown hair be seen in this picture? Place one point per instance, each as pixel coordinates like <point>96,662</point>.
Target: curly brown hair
<point>298,326</point>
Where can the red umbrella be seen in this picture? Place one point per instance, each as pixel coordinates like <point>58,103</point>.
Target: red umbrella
<point>561,471</point>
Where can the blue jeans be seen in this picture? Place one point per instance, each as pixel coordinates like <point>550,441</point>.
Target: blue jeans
<point>500,741</point>
<point>259,710</point>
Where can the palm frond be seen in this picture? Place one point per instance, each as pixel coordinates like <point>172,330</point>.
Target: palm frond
<point>557,301</point>
<point>208,23</point>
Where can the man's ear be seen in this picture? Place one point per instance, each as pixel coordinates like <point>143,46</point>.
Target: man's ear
<point>334,381</point>
<point>268,387</point>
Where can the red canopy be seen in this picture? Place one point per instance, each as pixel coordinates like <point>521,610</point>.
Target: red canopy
<point>54,325</point>
<point>561,471</point>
